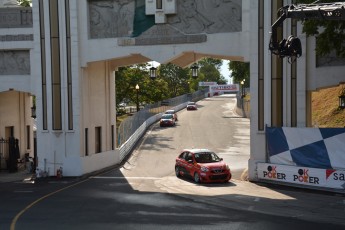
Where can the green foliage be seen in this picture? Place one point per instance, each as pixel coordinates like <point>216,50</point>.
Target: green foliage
<point>326,31</point>
<point>240,71</point>
<point>216,63</point>
<point>172,81</point>
<point>176,78</point>
<point>210,71</point>
<point>126,80</point>
<point>25,3</point>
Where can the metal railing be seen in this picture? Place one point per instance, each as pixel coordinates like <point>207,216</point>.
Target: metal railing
<point>244,105</point>
<point>128,127</point>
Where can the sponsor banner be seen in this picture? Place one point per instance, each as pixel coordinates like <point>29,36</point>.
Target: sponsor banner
<point>227,88</point>
<point>326,178</point>
<point>201,83</point>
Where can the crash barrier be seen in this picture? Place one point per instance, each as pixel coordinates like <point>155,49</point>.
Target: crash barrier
<point>132,129</point>
<point>132,123</point>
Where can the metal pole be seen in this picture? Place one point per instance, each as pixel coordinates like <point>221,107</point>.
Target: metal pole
<point>138,100</point>
<point>137,89</point>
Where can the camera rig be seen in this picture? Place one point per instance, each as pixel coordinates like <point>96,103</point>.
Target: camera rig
<point>291,46</point>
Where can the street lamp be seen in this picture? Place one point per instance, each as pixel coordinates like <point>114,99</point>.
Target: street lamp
<point>342,98</point>
<point>137,89</point>
<point>33,111</point>
<point>194,68</point>
<point>242,88</point>
<point>153,73</point>
<point>342,101</point>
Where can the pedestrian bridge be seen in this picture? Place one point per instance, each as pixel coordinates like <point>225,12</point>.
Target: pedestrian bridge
<point>181,32</point>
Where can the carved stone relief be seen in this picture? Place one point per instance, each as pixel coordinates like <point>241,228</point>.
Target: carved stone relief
<point>117,18</point>
<point>208,16</point>
<point>8,3</point>
<point>16,17</point>
<point>14,62</point>
<point>17,37</point>
<point>111,19</point>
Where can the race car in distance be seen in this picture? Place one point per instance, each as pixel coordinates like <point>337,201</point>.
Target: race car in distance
<point>202,165</point>
<point>167,120</point>
<point>191,106</point>
<point>173,112</point>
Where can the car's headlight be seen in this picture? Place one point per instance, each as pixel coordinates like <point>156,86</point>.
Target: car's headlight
<point>204,169</point>
<point>227,167</point>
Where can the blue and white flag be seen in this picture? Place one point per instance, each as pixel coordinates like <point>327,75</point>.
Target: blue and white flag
<point>307,147</point>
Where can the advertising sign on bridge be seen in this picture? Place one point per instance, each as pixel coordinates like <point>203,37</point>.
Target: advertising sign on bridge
<point>203,83</point>
<point>221,89</point>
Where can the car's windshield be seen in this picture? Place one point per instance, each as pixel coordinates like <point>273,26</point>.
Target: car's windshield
<point>191,103</point>
<point>169,112</point>
<point>206,157</point>
<point>167,116</point>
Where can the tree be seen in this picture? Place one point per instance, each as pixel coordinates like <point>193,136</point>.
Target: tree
<point>150,91</point>
<point>176,78</point>
<point>210,71</point>
<point>126,79</point>
<point>326,31</point>
<point>25,3</point>
<point>240,71</point>
<point>217,63</point>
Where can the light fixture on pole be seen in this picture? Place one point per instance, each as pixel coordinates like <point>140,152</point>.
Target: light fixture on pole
<point>137,89</point>
<point>242,89</point>
<point>194,68</point>
<point>33,111</point>
<point>153,72</point>
<point>342,99</point>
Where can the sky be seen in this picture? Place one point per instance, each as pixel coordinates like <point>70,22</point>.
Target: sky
<point>225,71</point>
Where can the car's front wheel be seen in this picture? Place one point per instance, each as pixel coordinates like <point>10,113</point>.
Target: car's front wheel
<point>197,178</point>
<point>177,171</point>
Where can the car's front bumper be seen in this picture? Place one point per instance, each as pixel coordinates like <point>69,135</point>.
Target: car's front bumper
<point>208,177</point>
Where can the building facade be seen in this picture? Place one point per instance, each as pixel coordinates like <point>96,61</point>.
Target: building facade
<point>67,52</point>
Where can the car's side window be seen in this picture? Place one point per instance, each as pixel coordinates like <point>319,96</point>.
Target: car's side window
<point>183,155</point>
<point>189,157</point>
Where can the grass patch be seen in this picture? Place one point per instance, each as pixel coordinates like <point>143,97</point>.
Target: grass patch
<point>325,111</point>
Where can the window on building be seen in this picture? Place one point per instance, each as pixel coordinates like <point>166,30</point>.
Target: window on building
<point>98,139</point>
<point>86,141</point>
<point>28,137</point>
<point>112,138</point>
<point>159,4</point>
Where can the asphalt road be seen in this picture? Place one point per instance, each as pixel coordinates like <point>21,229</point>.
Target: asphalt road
<point>144,193</point>
<point>214,126</point>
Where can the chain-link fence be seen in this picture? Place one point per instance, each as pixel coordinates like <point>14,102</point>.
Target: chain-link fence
<point>132,123</point>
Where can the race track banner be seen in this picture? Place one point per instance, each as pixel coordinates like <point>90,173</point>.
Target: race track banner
<point>325,178</point>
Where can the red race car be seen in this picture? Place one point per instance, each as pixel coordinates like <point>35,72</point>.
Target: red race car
<point>167,120</point>
<point>202,165</point>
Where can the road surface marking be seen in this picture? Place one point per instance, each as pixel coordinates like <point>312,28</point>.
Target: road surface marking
<point>118,177</point>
